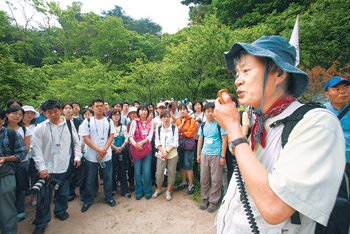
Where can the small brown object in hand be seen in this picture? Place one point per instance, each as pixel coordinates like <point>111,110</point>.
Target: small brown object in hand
<point>221,91</point>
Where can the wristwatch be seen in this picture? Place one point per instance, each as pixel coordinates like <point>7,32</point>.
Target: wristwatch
<point>233,144</point>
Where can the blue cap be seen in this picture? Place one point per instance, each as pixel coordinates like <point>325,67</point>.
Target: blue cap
<point>162,99</point>
<point>334,81</point>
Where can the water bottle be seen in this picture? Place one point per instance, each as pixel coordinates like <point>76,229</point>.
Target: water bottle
<point>102,164</point>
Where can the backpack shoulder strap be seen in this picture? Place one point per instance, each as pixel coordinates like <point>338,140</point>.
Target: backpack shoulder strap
<point>289,123</point>
<point>292,120</point>
<point>109,128</point>
<point>69,125</point>
<point>11,134</point>
<point>341,114</point>
<point>173,129</point>
<point>202,128</point>
<point>219,129</point>
<point>159,127</point>
<point>24,130</point>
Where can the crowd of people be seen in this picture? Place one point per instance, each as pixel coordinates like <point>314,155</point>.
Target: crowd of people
<point>285,178</point>
<point>128,145</point>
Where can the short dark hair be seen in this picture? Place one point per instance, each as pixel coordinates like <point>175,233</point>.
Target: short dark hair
<point>50,105</point>
<point>114,104</point>
<point>10,102</point>
<point>182,105</point>
<point>208,105</point>
<point>151,104</point>
<point>164,113</point>
<point>87,110</point>
<point>195,102</point>
<point>66,104</point>
<point>97,100</point>
<point>75,102</point>
<point>143,106</point>
<point>136,102</point>
<point>2,113</point>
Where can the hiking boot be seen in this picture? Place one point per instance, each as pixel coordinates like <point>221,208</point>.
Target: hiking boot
<point>204,204</point>
<point>212,207</point>
<point>168,195</point>
<point>190,189</point>
<point>21,216</point>
<point>182,185</point>
<point>156,193</point>
<point>39,230</point>
<point>111,203</point>
<point>62,216</point>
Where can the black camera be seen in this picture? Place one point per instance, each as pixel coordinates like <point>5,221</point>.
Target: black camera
<point>170,106</point>
<point>43,183</point>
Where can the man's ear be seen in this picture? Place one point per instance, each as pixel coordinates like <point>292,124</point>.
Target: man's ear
<point>281,76</point>
<point>326,94</point>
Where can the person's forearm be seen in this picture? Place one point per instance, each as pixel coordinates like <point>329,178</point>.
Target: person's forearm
<point>90,143</point>
<point>132,140</point>
<point>199,146</point>
<point>224,145</point>
<point>9,158</point>
<point>170,148</point>
<point>109,142</point>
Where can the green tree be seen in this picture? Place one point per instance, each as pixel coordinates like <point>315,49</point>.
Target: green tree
<point>198,59</point>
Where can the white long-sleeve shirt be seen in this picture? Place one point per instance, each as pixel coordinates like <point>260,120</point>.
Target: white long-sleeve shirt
<point>45,135</point>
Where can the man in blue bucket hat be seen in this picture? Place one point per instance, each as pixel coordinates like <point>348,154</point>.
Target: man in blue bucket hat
<point>285,187</point>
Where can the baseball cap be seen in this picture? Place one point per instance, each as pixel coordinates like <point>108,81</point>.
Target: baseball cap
<point>334,81</point>
<point>161,104</point>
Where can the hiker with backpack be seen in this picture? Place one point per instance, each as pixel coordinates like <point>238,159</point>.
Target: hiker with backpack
<point>211,152</point>
<point>167,141</point>
<point>119,154</point>
<point>14,116</point>
<point>12,149</point>
<point>283,182</point>
<point>337,90</point>
<point>98,133</point>
<point>54,142</point>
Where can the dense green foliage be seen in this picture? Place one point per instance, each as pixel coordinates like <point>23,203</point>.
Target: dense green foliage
<point>122,59</point>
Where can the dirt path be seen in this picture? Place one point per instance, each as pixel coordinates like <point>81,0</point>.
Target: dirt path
<point>180,215</point>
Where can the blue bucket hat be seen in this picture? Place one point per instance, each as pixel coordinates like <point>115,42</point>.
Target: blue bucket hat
<point>334,81</point>
<point>280,51</point>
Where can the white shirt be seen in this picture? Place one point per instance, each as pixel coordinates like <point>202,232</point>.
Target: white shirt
<point>167,138</point>
<point>305,174</point>
<point>98,133</point>
<point>44,136</point>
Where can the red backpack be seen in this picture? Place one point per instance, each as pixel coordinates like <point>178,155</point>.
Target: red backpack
<point>141,133</point>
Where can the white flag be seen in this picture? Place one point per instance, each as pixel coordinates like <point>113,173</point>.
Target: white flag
<point>294,39</point>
